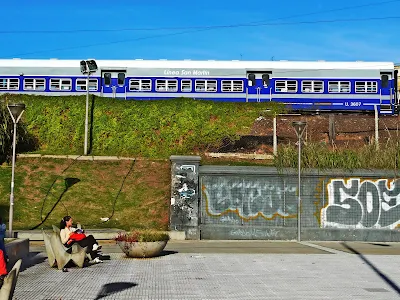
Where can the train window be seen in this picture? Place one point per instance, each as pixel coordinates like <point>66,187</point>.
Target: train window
<point>286,86</point>
<point>385,81</point>
<point>81,84</point>
<point>134,85</point>
<point>34,84</point>
<point>232,85</point>
<point>107,79</point>
<point>172,85</point>
<point>140,85</point>
<point>186,85</point>
<point>146,85</point>
<point>366,87</point>
<point>339,87</point>
<point>59,84</point>
<point>9,84</point>
<point>13,84</point>
<point>312,86</point>
<point>121,79</point>
<point>205,85</point>
<point>265,79</point>
<point>3,84</point>
<point>163,85</point>
<point>252,79</point>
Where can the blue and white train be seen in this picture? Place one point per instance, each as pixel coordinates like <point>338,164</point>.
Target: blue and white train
<point>302,86</point>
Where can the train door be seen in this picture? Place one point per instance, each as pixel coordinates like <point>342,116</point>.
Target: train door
<point>259,86</point>
<point>386,92</point>
<point>113,83</point>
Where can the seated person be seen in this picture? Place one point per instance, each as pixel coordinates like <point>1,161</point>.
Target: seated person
<point>67,233</point>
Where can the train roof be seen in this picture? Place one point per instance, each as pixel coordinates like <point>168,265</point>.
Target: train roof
<point>205,64</point>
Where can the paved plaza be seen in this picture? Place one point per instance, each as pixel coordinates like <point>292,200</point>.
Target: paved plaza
<point>223,270</point>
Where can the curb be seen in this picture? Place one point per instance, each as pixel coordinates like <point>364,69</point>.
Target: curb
<point>98,234</point>
<point>76,157</point>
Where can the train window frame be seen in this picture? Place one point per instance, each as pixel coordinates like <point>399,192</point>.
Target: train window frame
<point>120,81</point>
<point>340,88</point>
<point>385,82</point>
<point>143,84</point>
<point>314,86</point>
<point>186,85</point>
<point>210,86</point>
<point>64,84</point>
<point>170,85</point>
<point>287,86</point>
<point>80,85</point>
<point>9,84</point>
<point>36,82</point>
<point>106,76</point>
<point>232,86</point>
<point>366,87</point>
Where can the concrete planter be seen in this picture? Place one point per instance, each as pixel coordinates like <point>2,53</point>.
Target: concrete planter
<point>17,249</point>
<point>142,249</point>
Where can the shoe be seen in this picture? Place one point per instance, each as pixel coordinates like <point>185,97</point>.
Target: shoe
<point>97,260</point>
<point>96,247</point>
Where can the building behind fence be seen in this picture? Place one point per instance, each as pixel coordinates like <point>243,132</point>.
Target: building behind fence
<point>224,202</point>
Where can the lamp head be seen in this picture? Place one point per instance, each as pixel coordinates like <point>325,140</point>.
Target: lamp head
<point>299,127</point>
<point>16,109</point>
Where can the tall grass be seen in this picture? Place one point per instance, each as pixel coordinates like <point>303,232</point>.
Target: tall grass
<point>321,156</point>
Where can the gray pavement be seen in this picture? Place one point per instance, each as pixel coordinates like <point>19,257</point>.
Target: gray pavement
<point>222,270</point>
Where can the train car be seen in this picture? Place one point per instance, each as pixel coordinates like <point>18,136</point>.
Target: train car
<point>301,85</point>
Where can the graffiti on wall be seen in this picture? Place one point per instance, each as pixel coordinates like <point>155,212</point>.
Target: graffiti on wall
<point>184,197</point>
<point>358,203</point>
<point>249,198</point>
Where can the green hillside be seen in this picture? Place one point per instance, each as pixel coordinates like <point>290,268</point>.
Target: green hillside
<point>153,129</point>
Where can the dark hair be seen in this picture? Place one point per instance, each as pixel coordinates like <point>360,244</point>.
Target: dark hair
<point>64,221</point>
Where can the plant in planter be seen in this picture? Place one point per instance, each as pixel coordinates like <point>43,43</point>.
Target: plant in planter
<point>142,243</point>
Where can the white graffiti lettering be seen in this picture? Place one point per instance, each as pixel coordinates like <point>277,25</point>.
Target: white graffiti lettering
<point>228,219</point>
<point>362,204</point>
<point>254,233</point>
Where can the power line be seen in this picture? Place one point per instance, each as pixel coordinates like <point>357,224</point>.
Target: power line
<point>199,30</point>
<point>250,24</point>
<point>227,26</point>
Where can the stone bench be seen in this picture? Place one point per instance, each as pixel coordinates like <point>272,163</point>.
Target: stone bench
<point>58,254</point>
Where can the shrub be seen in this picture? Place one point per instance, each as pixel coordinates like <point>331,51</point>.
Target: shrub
<point>143,235</point>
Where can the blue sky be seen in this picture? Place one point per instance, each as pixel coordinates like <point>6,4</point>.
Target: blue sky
<point>371,40</point>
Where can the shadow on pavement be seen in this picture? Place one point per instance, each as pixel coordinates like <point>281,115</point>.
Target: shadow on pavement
<point>33,258</point>
<point>375,269</point>
<point>114,287</point>
<point>378,244</point>
<point>167,252</point>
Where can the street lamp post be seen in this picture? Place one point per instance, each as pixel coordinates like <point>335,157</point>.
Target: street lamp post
<point>299,127</point>
<point>16,110</point>
<point>87,67</point>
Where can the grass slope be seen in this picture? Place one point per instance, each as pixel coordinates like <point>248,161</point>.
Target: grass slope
<point>155,129</point>
<point>142,203</point>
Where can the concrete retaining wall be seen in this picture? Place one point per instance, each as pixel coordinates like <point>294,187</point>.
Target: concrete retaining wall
<point>261,203</point>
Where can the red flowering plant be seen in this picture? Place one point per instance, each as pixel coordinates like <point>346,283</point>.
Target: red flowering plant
<point>145,235</point>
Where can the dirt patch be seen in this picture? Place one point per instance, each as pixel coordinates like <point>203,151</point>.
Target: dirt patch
<point>349,131</point>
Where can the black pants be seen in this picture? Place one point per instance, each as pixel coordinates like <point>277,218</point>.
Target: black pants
<point>88,242</point>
